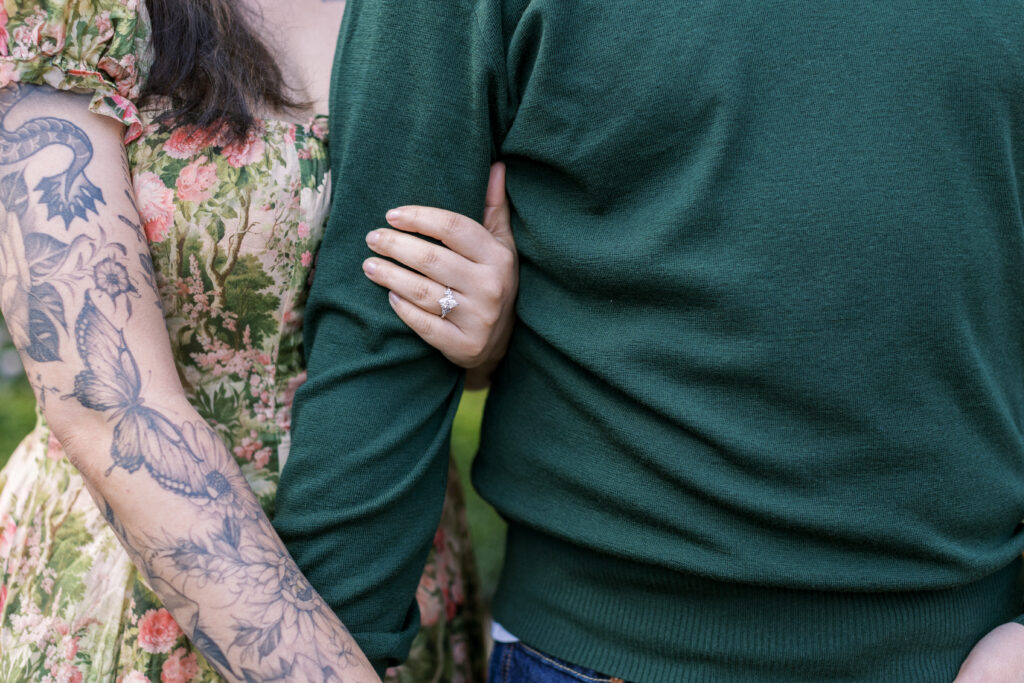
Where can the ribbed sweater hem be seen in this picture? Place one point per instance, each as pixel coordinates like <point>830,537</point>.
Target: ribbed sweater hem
<point>648,623</point>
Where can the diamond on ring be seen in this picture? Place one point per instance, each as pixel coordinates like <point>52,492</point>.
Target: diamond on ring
<point>448,302</point>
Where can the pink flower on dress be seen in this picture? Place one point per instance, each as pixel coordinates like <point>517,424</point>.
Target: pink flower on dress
<point>195,182</point>
<point>158,631</point>
<point>3,597</point>
<point>70,648</point>
<point>8,74</point>
<point>293,385</point>
<point>303,229</point>
<point>156,205</point>
<point>135,677</point>
<point>7,530</point>
<point>428,601</point>
<point>4,36</point>
<point>179,667</point>
<point>306,258</point>
<point>51,38</point>
<point>319,128</point>
<point>247,151</point>
<point>124,104</point>
<point>104,26</point>
<point>186,141</point>
<point>67,673</point>
<point>252,449</point>
<point>24,39</point>
<point>125,73</point>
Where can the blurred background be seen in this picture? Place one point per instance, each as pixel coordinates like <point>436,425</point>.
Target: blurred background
<point>17,417</point>
<point>17,405</point>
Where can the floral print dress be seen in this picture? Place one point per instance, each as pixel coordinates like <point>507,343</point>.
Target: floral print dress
<point>233,229</point>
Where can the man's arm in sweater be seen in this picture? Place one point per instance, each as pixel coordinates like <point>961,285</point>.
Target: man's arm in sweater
<point>416,94</point>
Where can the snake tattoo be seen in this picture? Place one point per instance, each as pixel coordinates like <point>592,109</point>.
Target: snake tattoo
<point>69,194</point>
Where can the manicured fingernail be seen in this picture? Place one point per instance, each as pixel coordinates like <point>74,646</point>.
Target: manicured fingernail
<point>369,267</point>
<point>372,238</point>
<point>394,214</point>
<point>393,298</point>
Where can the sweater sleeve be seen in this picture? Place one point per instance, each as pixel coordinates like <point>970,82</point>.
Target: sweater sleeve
<point>415,108</point>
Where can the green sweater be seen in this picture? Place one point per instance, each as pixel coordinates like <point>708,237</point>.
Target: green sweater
<point>762,417</point>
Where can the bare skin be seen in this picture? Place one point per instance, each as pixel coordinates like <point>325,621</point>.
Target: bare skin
<point>997,658</point>
<point>302,34</point>
<point>80,298</point>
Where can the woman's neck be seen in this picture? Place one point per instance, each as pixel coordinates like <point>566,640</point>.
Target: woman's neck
<point>302,35</point>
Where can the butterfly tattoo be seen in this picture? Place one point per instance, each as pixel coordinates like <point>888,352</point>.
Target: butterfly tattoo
<point>142,436</point>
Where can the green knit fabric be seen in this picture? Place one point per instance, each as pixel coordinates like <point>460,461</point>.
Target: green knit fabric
<point>763,407</point>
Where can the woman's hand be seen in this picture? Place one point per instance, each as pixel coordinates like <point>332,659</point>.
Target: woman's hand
<point>997,658</point>
<point>478,262</point>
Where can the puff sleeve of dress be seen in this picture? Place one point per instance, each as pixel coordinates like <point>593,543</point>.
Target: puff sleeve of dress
<point>97,46</point>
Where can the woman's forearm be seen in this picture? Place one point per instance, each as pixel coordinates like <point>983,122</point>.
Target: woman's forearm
<point>205,546</point>
<point>77,291</point>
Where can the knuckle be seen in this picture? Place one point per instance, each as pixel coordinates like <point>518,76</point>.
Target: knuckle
<point>421,292</point>
<point>450,225</point>
<point>428,258</point>
<point>490,316</point>
<point>473,349</point>
<point>506,260</point>
<point>493,291</point>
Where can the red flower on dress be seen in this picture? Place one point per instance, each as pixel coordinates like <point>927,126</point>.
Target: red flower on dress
<point>4,36</point>
<point>158,631</point>
<point>156,205</point>
<point>67,673</point>
<point>8,73</point>
<point>319,128</point>
<point>187,141</point>
<point>428,601</point>
<point>247,151</point>
<point>105,26</point>
<point>179,667</point>
<point>195,182</point>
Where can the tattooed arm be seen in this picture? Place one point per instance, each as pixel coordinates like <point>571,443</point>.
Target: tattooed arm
<point>77,292</point>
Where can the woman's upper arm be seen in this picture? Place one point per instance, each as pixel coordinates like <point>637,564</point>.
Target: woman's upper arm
<point>76,281</point>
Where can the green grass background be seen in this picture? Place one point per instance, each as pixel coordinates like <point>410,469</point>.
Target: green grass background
<point>17,414</point>
<point>17,417</point>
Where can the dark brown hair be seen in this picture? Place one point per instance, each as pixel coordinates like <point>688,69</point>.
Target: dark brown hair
<point>211,66</point>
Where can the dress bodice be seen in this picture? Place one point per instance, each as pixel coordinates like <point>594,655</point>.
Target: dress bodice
<point>232,228</point>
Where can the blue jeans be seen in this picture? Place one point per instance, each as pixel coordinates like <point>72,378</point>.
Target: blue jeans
<point>519,663</point>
